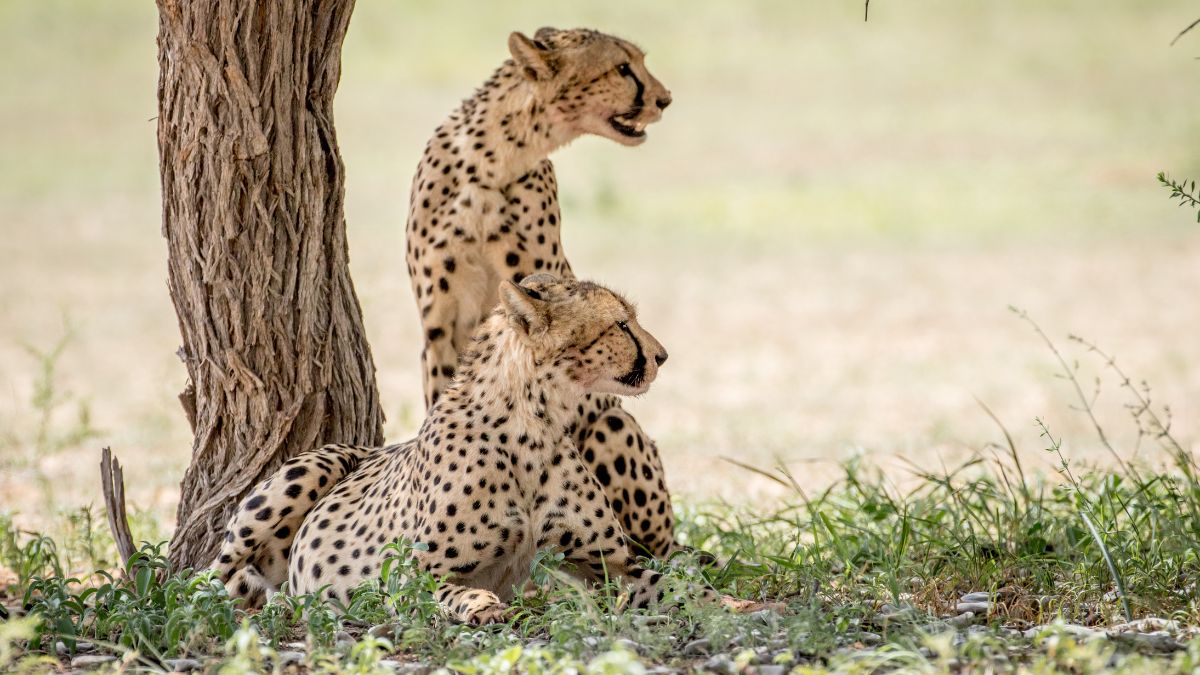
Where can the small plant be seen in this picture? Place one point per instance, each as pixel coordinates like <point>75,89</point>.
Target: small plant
<point>148,610</point>
<point>246,653</point>
<point>14,634</point>
<point>1182,191</point>
<point>50,434</point>
<point>28,556</point>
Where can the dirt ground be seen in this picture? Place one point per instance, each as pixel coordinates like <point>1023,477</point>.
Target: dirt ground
<point>825,231</point>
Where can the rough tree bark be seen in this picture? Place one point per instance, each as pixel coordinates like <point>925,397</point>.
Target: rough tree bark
<point>252,189</point>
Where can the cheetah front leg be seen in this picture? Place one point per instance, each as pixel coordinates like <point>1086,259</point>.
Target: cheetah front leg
<point>626,463</point>
<point>577,519</point>
<point>451,289</point>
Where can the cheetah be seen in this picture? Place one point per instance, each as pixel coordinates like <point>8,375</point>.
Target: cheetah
<point>493,476</point>
<point>484,207</point>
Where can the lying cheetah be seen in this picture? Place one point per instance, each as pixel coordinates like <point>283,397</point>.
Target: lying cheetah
<point>484,208</point>
<point>493,476</point>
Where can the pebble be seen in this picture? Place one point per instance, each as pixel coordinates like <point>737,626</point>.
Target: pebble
<point>1146,625</point>
<point>767,616</point>
<point>1157,641</point>
<point>182,665</point>
<point>627,644</point>
<point>870,638</point>
<point>296,646</point>
<point>976,607</point>
<point>977,596</point>
<point>291,657</point>
<point>1069,628</point>
<point>90,660</point>
<point>720,664</point>
<point>770,669</point>
<point>890,613</point>
<point>404,667</point>
<point>962,620</point>
<point>81,646</point>
<point>696,647</point>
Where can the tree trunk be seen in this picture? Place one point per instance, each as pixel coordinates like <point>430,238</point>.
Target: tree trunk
<point>252,189</point>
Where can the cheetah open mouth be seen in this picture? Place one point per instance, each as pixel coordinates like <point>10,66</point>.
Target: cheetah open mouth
<point>626,125</point>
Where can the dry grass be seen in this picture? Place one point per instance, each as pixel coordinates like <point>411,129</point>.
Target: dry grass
<point>825,230</point>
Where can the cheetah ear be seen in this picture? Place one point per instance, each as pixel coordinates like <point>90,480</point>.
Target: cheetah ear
<point>526,310</point>
<point>534,58</point>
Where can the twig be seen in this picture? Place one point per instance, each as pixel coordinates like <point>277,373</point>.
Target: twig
<point>867,11</point>
<point>1181,33</point>
<point>112,484</point>
<point>1070,376</point>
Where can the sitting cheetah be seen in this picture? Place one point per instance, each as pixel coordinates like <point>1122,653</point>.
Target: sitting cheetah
<point>493,475</point>
<point>484,207</point>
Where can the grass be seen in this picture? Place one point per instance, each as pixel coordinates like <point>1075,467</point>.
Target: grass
<point>848,209</point>
<point>865,576</point>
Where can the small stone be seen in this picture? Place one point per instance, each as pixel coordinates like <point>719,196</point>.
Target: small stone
<point>1147,625</point>
<point>720,663</point>
<point>296,646</point>
<point>91,660</point>
<point>404,667</point>
<point>591,641</point>
<point>82,646</point>
<point>891,614</point>
<point>182,665</point>
<point>290,657</point>
<point>975,607</point>
<point>627,644</point>
<point>1074,630</point>
<point>696,647</point>
<point>978,596</point>
<point>766,616</point>
<point>870,638</point>
<point>770,669</point>
<point>1158,641</point>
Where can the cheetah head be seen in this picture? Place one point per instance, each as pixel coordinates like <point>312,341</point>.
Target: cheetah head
<point>591,82</point>
<point>590,330</point>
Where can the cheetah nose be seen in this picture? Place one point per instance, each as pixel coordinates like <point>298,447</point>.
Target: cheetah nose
<point>660,358</point>
<point>662,105</point>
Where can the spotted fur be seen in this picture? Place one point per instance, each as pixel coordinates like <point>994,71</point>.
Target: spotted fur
<point>484,208</point>
<point>493,476</point>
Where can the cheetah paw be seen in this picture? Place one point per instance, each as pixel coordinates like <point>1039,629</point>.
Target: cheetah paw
<point>495,613</point>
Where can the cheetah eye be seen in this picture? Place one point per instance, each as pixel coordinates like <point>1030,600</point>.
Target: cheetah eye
<point>624,70</point>
<point>623,325</point>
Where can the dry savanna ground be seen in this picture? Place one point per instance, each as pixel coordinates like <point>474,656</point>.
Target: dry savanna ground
<point>826,229</point>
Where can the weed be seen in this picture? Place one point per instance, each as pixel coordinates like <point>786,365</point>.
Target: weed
<point>1182,191</point>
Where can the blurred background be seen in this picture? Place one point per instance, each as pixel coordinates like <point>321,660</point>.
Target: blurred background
<point>826,229</point>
